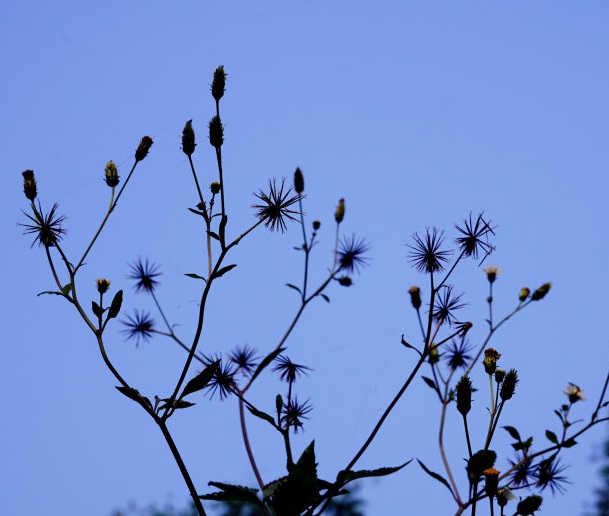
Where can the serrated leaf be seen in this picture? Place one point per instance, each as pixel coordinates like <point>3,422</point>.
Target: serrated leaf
<point>115,307</point>
<point>294,287</point>
<point>266,361</point>
<point>233,493</point>
<point>66,289</point>
<point>430,382</point>
<point>513,432</point>
<point>306,462</point>
<point>325,298</point>
<point>569,443</point>
<point>551,437</point>
<point>223,271</point>
<point>213,235</point>
<point>195,276</point>
<point>201,380</point>
<point>435,475</point>
<point>261,415</point>
<point>345,477</point>
<point>98,311</point>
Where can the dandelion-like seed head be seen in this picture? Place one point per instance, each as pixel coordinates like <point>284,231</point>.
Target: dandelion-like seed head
<point>144,274</point>
<point>475,235</point>
<point>244,358</point>
<point>427,255</point>
<point>288,370</point>
<point>47,228</point>
<point>446,304</point>
<point>223,382</point>
<point>139,326</point>
<point>350,254</point>
<point>549,475</point>
<point>458,354</point>
<point>275,206</point>
<point>294,413</point>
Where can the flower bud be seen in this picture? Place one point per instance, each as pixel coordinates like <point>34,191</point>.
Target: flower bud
<point>491,273</point>
<point>316,225</point>
<point>188,139</point>
<point>434,355</point>
<point>111,174</point>
<point>508,387</point>
<point>218,84</point>
<point>529,505</point>
<point>464,395</point>
<point>574,393</point>
<point>541,292</point>
<point>142,149</point>
<point>524,294</point>
<point>216,132</point>
<point>102,285</point>
<point>29,184</point>
<point>490,360</point>
<point>491,476</point>
<point>339,215</point>
<point>298,181</point>
<point>215,187</point>
<point>345,281</point>
<point>499,375</point>
<point>415,297</point>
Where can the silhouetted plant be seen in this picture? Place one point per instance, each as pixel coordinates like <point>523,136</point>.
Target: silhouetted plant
<point>455,365</point>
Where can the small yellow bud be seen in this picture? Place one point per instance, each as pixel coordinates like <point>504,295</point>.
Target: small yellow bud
<point>111,174</point>
<point>29,184</point>
<point>415,297</point>
<point>339,215</point>
<point>524,294</point>
<point>102,285</point>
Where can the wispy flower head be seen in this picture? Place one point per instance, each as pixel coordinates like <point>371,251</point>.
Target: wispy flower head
<point>275,206</point>
<point>47,228</point>
<point>427,255</point>
<point>140,326</point>
<point>288,370</point>
<point>223,381</point>
<point>549,475</point>
<point>244,357</point>
<point>475,236</point>
<point>351,253</point>
<point>294,413</point>
<point>458,354</point>
<point>445,306</point>
<point>521,476</point>
<point>491,273</point>
<point>574,393</point>
<point>144,274</point>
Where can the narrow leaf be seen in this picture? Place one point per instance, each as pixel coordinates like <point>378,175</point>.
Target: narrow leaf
<point>326,298</point>
<point>232,493</point>
<point>196,212</point>
<point>115,307</point>
<point>551,437</point>
<point>50,292</point>
<point>223,271</point>
<point>294,287</point>
<point>430,382</point>
<point>97,310</point>
<point>213,235</point>
<point>266,361</point>
<point>262,415</point>
<point>513,432</point>
<point>66,289</point>
<point>176,404</point>
<point>344,477</point>
<point>201,380</point>
<point>435,475</point>
<point>569,442</point>
<point>130,392</point>
<point>195,276</point>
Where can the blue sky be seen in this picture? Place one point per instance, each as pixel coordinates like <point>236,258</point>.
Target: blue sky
<point>415,112</point>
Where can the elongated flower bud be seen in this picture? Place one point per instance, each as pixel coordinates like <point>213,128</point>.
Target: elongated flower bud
<point>524,294</point>
<point>218,85</point>
<point>541,292</point>
<point>29,184</point>
<point>464,395</point>
<point>508,387</point>
<point>298,181</point>
<point>188,139</point>
<point>143,148</point>
<point>415,297</point>
<point>111,174</point>
<point>339,215</point>
<point>216,132</point>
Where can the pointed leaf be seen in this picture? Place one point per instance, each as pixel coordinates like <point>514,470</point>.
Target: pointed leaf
<point>98,311</point>
<point>430,383</point>
<point>266,361</point>
<point>325,298</point>
<point>344,477</point>
<point>201,380</point>
<point>513,432</point>
<point>66,289</point>
<point>175,404</point>
<point>50,292</point>
<point>195,276</point>
<point>261,415</point>
<point>223,271</point>
<point>551,437</point>
<point>435,475</point>
<point>131,393</point>
<point>232,493</point>
<point>115,307</point>
<point>294,287</point>
<point>197,212</point>
<point>213,235</point>
<point>569,442</point>
<point>306,462</point>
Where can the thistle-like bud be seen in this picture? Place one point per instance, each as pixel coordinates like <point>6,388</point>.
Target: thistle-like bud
<point>464,395</point>
<point>216,132</point>
<point>434,355</point>
<point>142,149</point>
<point>491,475</point>
<point>188,139</point>
<point>541,292</point>
<point>339,215</point>
<point>345,281</point>
<point>415,297</point>
<point>29,184</point>
<point>111,174</point>
<point>529,505</point>
<point>509,385</point>
<point>215,187</point>
<point>499,375</point>
<point>491,356</point>
<point>524,294</point>
<point>102,285</point>
<point>218,84</point>
<point>298,181</point>
<point>316,225</point>
<point>491,273</point>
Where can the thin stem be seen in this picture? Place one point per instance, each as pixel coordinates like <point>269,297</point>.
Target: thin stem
<point>451,479</point>
<point>194,175</point>
<point>248,448</point>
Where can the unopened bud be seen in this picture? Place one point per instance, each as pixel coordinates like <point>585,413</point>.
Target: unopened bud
<point>216,132</point>
<point>415,297</point>
<point>491,273</point>
<point>345,281</point>
<point>188,139</point>
<point>509,385</point>
<point>142,149</point>
<point>529,505</point>
<point>218,85</point>
<point>464,395</point>
<point>499,375</point>
<point>491,356</point>
<point>215,187</point>
<point>541,292</point>
<point>111,174</point>
<point>316,225</point>
<point>298,181</point>
<point>339,215</point>
<point>102,285</point>
<point>29,184</point>
<point>524,294</point>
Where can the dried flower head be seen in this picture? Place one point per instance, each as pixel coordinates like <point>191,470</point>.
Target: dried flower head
<point>426,253</point>
<point>111,174</point>
<point>294,413</point>
<point>521,476</point>
<point>140,326</point>
<point>188,139</point>
<point>288,370</point>
<point>549,475</point>
<point>47,228</point>
<point>475,236</point>
<point>218,85</point>
<point>574,393</point>
<point>102,285</point>
<point>445,306</point>
<point>275,207</point>
<point>244,357</point>
<point>489,362</point>
<point>350,254</point>
<point>215,188</point>
<point>223,381</point>
<point>491,273</point>
<point>415,296</point>
<point>458,354</point>
<point>144,274</point>
<point>142,149</point>
<point>29,184</point>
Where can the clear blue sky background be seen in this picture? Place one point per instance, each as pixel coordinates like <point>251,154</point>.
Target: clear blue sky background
<point>415,112</point>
